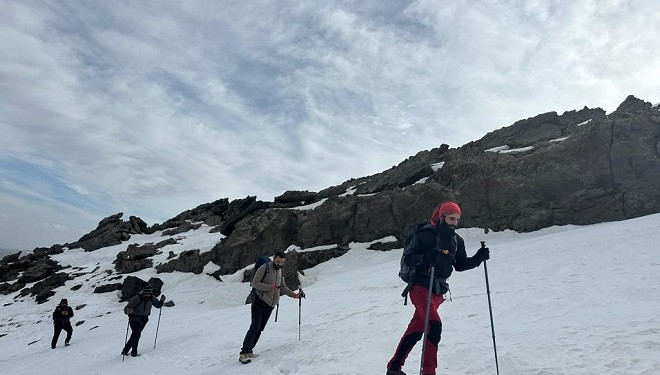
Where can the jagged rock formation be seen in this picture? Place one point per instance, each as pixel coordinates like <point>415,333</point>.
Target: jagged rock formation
<point>584,168</point>
<point>136,257</point>
<point>188,261</point>
<point>111,231</point>
<point>16,272</point>
<point>296,196</point>
<point>580,167</point>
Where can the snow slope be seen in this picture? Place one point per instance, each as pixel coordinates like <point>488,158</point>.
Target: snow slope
<point>566,300</point>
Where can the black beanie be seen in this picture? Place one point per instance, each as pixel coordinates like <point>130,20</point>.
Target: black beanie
<point>64,302</point>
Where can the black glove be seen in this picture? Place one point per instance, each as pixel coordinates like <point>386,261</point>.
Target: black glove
<point>483,254</point>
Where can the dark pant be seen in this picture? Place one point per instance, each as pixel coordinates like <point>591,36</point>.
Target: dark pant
<point>260,314</point>
<point>58,328</point>
<point>415,331</point>
<point>137,324</point>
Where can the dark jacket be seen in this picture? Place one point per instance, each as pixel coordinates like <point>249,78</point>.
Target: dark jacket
<point>452,256</point>
<point>59,318</point>
<point>142,306</point>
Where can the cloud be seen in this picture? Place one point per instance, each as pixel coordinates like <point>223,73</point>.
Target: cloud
<point>153,108</point>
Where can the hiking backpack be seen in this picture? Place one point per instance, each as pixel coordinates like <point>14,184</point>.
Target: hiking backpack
<point>407,272</point>
<point>258,263</point>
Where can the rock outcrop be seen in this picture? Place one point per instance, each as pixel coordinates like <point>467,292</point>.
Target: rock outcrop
<point>111,231</point>
<point>187,261</point>
<point>580,167</point>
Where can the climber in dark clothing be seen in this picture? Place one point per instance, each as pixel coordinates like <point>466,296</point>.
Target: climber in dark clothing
<point>138,310</point>
<point>439,246</point>
<point>62,321</point>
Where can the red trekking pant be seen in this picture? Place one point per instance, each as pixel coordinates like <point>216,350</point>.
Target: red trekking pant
<point>414,332</point>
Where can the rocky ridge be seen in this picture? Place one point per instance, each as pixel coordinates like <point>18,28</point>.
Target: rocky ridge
<point>580,167</point>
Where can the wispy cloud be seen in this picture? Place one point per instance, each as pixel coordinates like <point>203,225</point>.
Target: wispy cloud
<point>152,108</point>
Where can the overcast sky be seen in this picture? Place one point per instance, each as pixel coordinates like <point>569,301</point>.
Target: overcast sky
<point>153,107</point>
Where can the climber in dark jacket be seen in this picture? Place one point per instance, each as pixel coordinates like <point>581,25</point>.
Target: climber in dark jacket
<point>138,310</point>
<point>62,321</point>
<point>440,246</point>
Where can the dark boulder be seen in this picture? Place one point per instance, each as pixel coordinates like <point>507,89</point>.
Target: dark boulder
<point>138,225</point>
<point>188,261</point>
<point>297,196</point>
<point>108,288</point>
<point>8,273</point>
<point>110,231</point>
<point>10,258</point>
<point>39,271</point>
<point>210,213</point>
<point>385,246</point>
<point>238,210</point>
<point>135,256</point>
<point>44,288</point>
<point>130,287</point>
<point>260,233</point>
<point>44,295</point>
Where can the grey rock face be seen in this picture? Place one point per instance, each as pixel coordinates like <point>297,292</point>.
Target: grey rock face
<point>210,213</point>
<point>581,167</point>
<point>130,287</point>
<point>43,289</point>
<point>297,196</point>
<point>600,171</point>
<point>257,234</point>
<point>188,261</point>
<point>108,288</point>
<point>135,257</point>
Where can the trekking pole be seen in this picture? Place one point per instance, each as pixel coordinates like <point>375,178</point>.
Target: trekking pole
<point>426,319</point>
<point>125,340</point>
<point>158,325</point>
<point>302,295</point>
<point>490,310</point>
<point>277,309</point>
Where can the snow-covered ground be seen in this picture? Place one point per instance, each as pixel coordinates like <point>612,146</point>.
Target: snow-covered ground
<point>565,300</point>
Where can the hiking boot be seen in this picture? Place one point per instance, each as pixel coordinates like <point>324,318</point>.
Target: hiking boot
<point>244,358</point>
<point>66,343</point>
<point>252,355</point>
<point>124,353</point>
<point>134,354</point>
<point>395,372</point>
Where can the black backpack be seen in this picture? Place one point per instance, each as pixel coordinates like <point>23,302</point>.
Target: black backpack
<point>407,271</point>
<point>258,263</point>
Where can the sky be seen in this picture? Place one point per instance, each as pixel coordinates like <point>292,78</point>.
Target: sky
<point>153,107</point>
<point>570,300</point>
